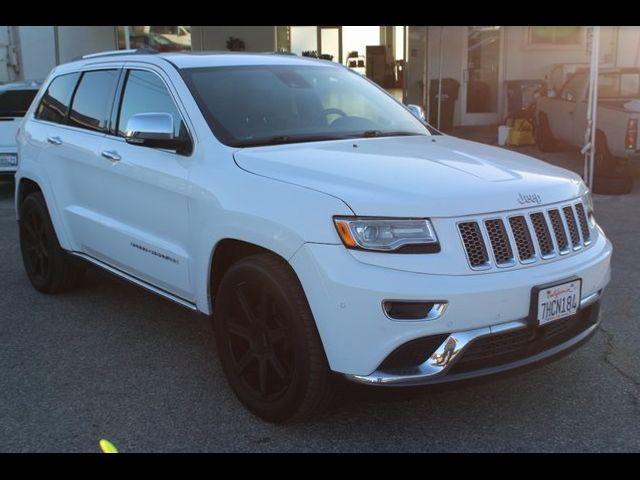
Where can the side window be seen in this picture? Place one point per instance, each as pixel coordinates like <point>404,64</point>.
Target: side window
<point>93,99</point>
<point>54,105</point>
<point>145,92</point>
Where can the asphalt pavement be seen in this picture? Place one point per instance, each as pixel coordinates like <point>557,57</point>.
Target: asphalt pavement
<point>113,361</point>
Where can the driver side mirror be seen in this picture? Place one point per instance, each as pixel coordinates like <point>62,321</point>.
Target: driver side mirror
<point>417,111</point>
<point>154,130</point>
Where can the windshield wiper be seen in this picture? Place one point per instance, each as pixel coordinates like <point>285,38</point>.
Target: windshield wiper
<point>380,133</point>
<point>284,139</point>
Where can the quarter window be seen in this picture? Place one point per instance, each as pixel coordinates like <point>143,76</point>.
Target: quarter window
<point>93,99</point>
<point>54,106</point>
<point>145,92</point>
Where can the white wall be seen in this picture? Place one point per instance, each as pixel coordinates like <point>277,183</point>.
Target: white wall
<point>75,41</point>
<point>628,54</point>
<point>256,38</point>
<point>36,52</point>
<point>36,46</point>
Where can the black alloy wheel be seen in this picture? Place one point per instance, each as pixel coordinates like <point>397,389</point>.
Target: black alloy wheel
<point>268,343</point>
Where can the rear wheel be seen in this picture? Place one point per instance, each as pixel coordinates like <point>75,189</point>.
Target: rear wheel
<point>543,136</point>
<point>48,266</point>
<point>267,340</point>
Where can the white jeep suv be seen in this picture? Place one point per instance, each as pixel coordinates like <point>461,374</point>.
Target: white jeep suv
<point>326,229</point>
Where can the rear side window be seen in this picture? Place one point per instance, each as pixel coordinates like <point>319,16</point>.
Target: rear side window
<point>15,103</point>
<point>92,101</point>
<point>54,106</point>
<point>145,92</point>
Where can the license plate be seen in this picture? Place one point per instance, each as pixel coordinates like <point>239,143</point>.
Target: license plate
<point>558,301</point>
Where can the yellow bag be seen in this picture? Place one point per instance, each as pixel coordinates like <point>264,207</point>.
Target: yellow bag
<point>521,133</point>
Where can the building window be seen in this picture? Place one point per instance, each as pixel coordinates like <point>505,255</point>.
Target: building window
<point>162,39</point>
<point>566,36</point>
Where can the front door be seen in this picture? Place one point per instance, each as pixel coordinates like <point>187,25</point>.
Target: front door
<point>143,227</point>
<point>481,75</point>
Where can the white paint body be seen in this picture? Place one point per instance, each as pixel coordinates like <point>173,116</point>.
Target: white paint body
<point>283,198</point>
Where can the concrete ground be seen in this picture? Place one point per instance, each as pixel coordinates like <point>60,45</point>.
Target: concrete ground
<point>113,361</point>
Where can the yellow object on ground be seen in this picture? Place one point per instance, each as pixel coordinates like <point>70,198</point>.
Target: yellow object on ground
<point>107,446</point>
<point>521,133</point>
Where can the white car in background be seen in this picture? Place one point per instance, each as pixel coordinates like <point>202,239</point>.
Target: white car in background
<point>325,229</point>
<point>564,117</point>
<point>15,99</point>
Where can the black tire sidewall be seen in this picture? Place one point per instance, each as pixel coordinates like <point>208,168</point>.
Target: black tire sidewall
<point>286,406</point>
<point>35,203</point>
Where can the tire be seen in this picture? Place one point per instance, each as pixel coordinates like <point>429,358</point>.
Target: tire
<point>604,164</point>
<point>49,268</point>
<point>267,341</point>
<point>543,136</point>
<point>619,185</point>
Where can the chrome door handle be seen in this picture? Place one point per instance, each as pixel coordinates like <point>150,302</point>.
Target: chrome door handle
<point>54,140</point>
<point>111,155</point>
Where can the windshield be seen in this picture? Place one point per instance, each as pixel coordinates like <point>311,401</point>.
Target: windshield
<point>266,105</point>
<point>15,103</point>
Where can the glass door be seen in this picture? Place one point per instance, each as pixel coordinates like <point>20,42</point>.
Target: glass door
<point>482,75</point>
<point>330,43</point>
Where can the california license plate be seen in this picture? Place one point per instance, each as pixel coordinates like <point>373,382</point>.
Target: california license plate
<point>558,301</point>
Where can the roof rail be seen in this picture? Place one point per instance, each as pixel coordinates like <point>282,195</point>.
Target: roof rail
<point>280,52</point>
<point>148,51</point>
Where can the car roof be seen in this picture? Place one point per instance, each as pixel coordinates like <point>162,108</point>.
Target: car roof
<point>197,59</point>
<point>26,85</point>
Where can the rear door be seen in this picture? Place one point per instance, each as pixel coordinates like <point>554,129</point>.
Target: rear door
<point>72,156</point>
<point>139,222</point>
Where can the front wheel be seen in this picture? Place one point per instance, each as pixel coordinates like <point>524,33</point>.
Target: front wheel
<point>267,341</point>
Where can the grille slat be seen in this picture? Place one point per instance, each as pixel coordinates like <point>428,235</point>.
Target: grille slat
<point>524,245</point>
<point>473,244</point>
<point>558,230</point>
<point>584,226</point>
<point>573,226</point>
<point>542,233</point>
<point>502,251</point>
<point>531,236</point>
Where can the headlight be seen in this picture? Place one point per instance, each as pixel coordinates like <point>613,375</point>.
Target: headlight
<point>8,160</point>
<point>401,235</point>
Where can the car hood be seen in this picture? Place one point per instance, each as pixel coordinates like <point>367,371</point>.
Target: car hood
<point>437,176</point>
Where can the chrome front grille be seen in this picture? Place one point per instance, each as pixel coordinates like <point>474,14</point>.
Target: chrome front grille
<point>525,238</point>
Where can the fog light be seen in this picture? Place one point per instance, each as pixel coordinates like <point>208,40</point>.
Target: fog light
<point>413,310</point>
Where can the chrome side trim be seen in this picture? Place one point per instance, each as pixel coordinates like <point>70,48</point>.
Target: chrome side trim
<point>451,349</point>
<point>136,281</point>
<point>589,299</point>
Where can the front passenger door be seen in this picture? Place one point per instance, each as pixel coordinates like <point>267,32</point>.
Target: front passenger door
<point>146,227</point>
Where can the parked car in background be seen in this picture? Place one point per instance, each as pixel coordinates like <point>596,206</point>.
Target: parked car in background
<point>326,230</point>
<point>15,99</point>
<point>563,117</point>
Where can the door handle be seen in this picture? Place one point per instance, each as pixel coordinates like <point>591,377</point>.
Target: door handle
<point>54,140</point>
<point>111,155</point>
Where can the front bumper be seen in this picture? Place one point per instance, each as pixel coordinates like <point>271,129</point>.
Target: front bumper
<point>346,295</point>
<point>440,366</point>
